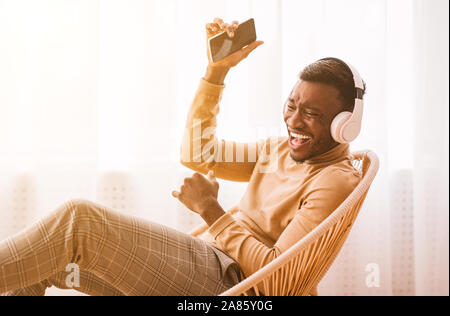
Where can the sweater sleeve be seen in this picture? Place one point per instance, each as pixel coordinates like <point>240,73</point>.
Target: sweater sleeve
<point>201,151</point>
<point>327,193</point>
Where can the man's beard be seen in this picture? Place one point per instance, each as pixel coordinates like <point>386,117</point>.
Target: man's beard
<point>314,152</point>
<point>298,162</point>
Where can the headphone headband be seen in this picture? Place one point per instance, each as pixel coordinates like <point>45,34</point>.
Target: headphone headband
<point>357,80</point>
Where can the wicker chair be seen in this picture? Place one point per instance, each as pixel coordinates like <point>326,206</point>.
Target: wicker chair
<point>299,270</point>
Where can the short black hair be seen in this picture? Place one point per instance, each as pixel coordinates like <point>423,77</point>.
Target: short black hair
<point>336,73</point>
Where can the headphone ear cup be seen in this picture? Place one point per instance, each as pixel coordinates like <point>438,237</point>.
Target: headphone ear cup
<point>338,126</point>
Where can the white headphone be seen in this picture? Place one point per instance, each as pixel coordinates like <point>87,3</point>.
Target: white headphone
<point>347,125</point>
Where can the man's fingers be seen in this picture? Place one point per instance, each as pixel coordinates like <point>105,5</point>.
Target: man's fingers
<point>175,194</point>
<point>229,29</point>
<point>252,46</point>
<point>232,28</point>
<point>218,25</point>
<point>219,22</point>
<point>212,28</point>
<point>244,52</point>
<point>212,178</point>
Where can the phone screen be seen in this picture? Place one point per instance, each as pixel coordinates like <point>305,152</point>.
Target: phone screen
<point>220,45</point>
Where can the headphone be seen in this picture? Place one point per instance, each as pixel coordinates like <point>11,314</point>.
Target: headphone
<point>346,126</point>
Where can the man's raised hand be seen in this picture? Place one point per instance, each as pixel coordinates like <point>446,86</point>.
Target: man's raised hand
<point>217,71</point>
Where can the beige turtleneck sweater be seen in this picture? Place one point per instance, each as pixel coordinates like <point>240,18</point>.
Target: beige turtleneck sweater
<point>284,199</point>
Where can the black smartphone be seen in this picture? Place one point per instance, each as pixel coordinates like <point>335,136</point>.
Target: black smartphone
<point>221,45</point>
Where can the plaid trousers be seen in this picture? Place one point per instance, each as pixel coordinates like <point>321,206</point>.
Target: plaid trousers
<point>116,255</point>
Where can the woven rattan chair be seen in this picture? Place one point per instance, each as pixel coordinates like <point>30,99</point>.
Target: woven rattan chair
<point>299,270</point>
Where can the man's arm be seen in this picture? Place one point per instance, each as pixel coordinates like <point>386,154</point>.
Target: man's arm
<point>328,192</point>
<point>200,149</point>
<point>216,75</point>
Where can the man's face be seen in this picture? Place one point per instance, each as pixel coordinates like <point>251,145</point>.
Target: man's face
<point>308,114</point>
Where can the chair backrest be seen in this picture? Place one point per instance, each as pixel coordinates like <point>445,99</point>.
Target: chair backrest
<point>298,270</point>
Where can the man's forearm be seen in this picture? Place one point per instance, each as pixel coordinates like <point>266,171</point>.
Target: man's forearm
<point>216,75</point>
<point>210,210</point>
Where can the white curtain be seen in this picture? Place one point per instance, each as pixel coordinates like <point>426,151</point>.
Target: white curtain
<point>94,96</point>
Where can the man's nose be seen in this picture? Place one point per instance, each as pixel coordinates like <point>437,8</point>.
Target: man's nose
<point>296,120</point>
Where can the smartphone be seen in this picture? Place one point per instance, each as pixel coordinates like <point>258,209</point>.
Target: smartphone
<point>221,45</point>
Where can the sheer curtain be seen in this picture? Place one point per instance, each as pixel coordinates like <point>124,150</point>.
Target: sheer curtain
<point>94,96</point>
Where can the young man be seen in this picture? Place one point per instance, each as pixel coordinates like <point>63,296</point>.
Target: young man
<point>294,184</point>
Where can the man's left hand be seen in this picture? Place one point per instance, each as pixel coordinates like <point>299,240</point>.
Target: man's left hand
<point>199,194</point>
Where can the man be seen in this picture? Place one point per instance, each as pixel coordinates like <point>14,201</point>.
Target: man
<point>294,184</point>
<point>312,176</point>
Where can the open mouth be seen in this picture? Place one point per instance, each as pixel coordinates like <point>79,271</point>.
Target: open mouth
<point>298,141</point>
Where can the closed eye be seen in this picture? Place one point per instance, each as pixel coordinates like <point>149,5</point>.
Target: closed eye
<point>310,113</point>
<point>290,106</point>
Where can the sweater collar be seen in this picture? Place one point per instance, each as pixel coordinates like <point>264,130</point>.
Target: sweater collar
<point>336,154</point>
